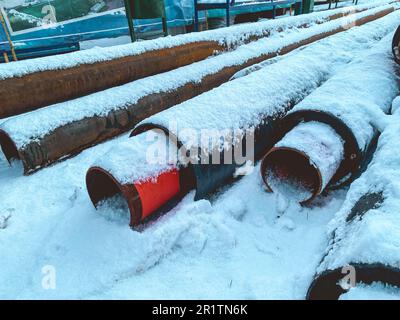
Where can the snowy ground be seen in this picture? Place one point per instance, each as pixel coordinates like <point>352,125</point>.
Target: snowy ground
<point>243,243</point>
<point>229,247</point>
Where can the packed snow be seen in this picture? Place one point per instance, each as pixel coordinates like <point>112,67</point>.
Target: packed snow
<point>241,243</point>
<point>36,124</point>
<point>320,143</point>
<point>244,102</point>
<point>376,291</point>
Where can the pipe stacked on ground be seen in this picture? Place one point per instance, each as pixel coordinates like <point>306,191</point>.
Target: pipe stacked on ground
<point>396,45</point>
<point>44,136</point>
<point>250,104</point>
<point>328,138</point>
<point>32,84</point>
<point>365,240</point>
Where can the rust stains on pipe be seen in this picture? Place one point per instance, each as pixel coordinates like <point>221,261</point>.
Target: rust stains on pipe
<point>22,94</point>
<point>76,136</point>
<point>102,185</point>
<point>303,163</point>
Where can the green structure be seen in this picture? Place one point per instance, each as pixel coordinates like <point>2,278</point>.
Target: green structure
<point>145,9</point>
<point>307,7</point>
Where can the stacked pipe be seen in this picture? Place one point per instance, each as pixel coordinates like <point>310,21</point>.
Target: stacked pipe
<point>245,105</point>
<point>328,138</point>
<point>28,85</point>
<point>44,136</point>
<point>363,248</point>
<point>340,123</point>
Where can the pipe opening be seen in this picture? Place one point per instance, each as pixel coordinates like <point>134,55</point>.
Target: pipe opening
<point>396,45</point>
<point>105,192</point>
<point>8,147</point>
<point>289,172</point>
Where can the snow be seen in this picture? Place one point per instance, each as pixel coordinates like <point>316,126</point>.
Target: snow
<point>369,108</point>
<point>376,236</point>
<point>195,251</point>
<point>242,243</point>
<point>229,36</point>
<point>375,291</point>
<point>320,143</point>
<point>369,84</point>
<point>318,62</point>
<point>34,125</point>
<point>244,102</point>
<point>140,158</point>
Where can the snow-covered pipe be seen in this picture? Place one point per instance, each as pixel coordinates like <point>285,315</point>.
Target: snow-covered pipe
<point>304,161</point>
<point>146,181</point>
<point>46,135</point>
<point>396,45</point>
<point>28,85</point>
<point>365,236</point>
<point>245,104</point>
<point>349,104</point>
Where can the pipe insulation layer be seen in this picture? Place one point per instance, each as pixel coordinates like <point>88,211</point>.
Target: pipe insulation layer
<point>31,84</point>
<point>396,45</point>
<point>146,180</point>
<point>365,233</point>
<point>46,135</point>
<point>350,103</point>
<point>245,105</point>
<point>301,165</point>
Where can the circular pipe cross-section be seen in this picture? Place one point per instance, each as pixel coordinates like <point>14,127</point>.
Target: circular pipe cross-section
<point>396,45</point>
<point>303,163</point>
<point>143,197</point>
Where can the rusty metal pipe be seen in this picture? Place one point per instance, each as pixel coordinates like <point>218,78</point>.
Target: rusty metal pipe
<point>301,165</point>
<point>313,157</point>
<point>20,94</point>
<point>146,182</point>
<point>70,139</point>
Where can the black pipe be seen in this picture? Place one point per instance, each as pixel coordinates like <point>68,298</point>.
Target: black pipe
<point>396,45</point>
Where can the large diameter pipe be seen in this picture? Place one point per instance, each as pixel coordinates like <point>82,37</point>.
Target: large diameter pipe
<point>76,133</point>
<point>146,182</point>
<point>29,85</point>
<point>396,45</point>
<point>302,164</point>
<point>204,112</point>
<point>143,197</point>
<point>350,110</point>
<point>365,231</point>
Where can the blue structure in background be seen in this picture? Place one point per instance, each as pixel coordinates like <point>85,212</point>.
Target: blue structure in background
<point>65,37</point>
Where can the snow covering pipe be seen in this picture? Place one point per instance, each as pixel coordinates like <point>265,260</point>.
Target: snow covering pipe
<point>70,139</point>
<point>315,159</point>
<point>396,45</point>
<point>364,233</point>
<point>147,192</point>
<point>143,197</point>
<point>304,161</point>
<point>46,86</point>
<point>125,159</point>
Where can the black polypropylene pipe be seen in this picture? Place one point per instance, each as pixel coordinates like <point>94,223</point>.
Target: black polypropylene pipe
<point>396,45</point>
